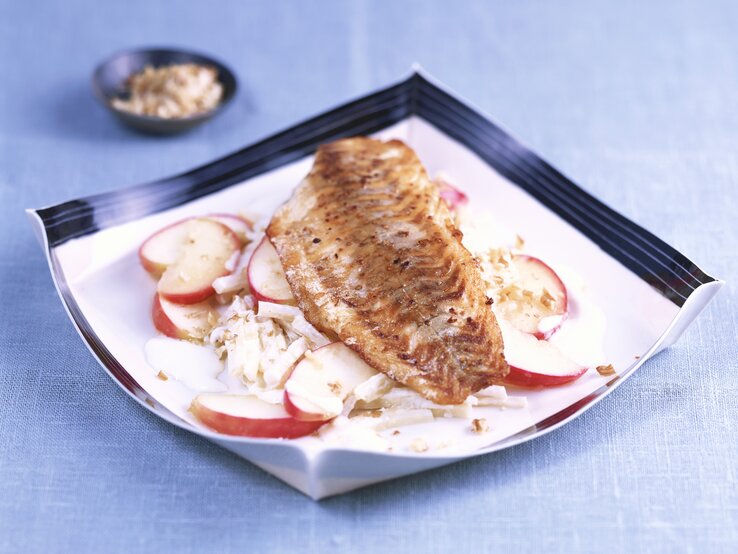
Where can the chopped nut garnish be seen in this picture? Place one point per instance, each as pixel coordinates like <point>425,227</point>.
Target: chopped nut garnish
<point>479,425</point>
<point>396,432</point>
<point>605,370</point>
<point>163,376</point>
<point>335,388</point>
<point>172,91</point>
<point>519,242</point>
<point>547,299</point>
<point>419,445</point>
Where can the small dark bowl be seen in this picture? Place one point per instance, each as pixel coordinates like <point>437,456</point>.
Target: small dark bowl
<point>110,81</point>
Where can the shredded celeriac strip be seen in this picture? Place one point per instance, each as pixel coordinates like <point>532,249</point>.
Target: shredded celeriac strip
<point>395,417</point>
<point>408,399</point>
<point>293,318</point>
<point>238,280</point>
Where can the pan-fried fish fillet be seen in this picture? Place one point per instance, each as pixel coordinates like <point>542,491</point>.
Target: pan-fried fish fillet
<point>373,257</point>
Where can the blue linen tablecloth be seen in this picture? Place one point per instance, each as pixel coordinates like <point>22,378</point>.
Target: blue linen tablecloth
<point>634,100</point>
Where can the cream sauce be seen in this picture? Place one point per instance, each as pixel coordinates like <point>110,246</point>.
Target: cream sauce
<point>196,367</point>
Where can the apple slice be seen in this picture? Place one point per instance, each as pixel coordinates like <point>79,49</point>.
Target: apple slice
<point>162,248</point>
<point>239,225</point>
<point>450,194</point>
<point>534,362</point>
<point>322,380</point>
<point>210,250</point>
<point>182,321</point>
<point>266,276</point>
<point>540,302</point>
<point>248,416</point>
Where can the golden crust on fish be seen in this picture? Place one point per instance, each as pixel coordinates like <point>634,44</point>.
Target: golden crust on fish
<point>373,257</point>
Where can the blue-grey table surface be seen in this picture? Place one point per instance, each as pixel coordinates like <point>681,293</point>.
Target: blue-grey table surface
<point>636,101</point>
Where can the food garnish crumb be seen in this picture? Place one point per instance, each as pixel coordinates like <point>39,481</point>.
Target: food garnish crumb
<point>163,376</point>
<point>479,425</point>
<point>419,445</point>
<point>519,242</point>
<point>605,370</point>
<point>396,432</point>
<point>173,91</point>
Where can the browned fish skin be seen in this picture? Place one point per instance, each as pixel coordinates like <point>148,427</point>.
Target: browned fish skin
<point>372,256</point>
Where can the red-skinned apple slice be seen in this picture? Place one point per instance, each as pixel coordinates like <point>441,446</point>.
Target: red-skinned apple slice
<point>182,321</point>
<point>210,250</point>
<point>451,195</point>
<point>542,312</point>
<point>239,225</point>
<point>266,276</point>
<point>536,363</point>
<point>321,381</point>
<point>162,248</point>
<point>248,416</point>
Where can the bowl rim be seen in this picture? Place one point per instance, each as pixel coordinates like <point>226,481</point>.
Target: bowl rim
<point>106,101</point>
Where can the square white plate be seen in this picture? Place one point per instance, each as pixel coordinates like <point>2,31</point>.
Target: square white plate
<point>91,244</point>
